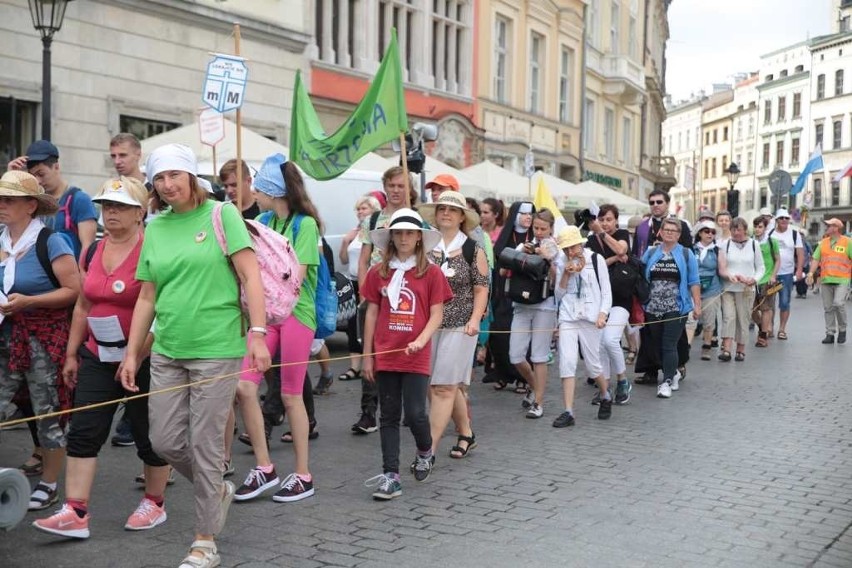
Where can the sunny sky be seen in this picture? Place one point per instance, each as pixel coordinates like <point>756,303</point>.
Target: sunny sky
<point>713,39</point>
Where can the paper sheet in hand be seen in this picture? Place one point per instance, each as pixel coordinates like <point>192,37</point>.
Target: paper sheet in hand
<point>594,208</point>
<point>108,330</point>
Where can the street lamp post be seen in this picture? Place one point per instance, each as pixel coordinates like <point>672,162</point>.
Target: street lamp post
<point>733,173</point>
<point>47,18</point>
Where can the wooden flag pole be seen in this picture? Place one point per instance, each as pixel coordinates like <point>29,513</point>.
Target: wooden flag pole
<point>403,152</point>
<point>215,169</point>
<point>239,134</point>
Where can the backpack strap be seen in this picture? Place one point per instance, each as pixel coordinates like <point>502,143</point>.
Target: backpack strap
<point>44,256</point>
<point>595,266</point>
<point>90,254</point>
<point>65,207</point>
<point>469,251</point>
<point>374,220</point>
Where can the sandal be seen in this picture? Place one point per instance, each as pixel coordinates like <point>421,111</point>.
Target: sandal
<point>287,437</point>
<point>457,452</point>
<point>43,497</point>
<point>782,335</point>
<point>631,358</point>
<point>209,559</point>
<point>762,340</point>
<point>500,385</point>
<point>705,352</point>
<point>740,356</point>
<point>521,388</point>
<point>350,375</point>
<point>33,469</point>
<point>725,356</point>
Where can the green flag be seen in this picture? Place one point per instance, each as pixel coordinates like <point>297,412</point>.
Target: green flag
<point>378,118</point>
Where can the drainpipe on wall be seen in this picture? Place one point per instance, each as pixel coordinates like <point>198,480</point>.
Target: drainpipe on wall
<point>582,160</point>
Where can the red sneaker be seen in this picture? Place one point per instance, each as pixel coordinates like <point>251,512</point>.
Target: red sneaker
<point>65,522</point>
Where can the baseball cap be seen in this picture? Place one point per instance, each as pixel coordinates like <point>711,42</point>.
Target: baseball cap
<point>445,180</point>
<point>834,221</point>
<point>41,150</point>
<point>782,213</point>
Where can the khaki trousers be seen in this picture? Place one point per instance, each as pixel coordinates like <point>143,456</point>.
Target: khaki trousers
<point>188,427</point>
<point>834,304</point>
<point>736,314</point>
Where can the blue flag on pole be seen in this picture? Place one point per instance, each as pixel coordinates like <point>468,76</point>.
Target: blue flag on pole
<point>814,164</point>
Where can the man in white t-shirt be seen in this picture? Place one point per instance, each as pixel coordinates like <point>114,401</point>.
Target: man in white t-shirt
<point>792,253</point>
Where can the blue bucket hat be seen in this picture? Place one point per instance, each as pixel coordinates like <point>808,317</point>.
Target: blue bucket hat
<point>270,177</point>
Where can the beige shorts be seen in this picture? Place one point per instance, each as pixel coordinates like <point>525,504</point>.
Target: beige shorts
<point>452,356</point>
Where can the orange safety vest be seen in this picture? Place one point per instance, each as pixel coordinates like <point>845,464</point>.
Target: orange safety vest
<point>834,261</point>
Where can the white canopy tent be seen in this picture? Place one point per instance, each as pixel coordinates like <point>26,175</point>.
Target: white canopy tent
<point>500,182</point>
<point>602,194</point>
<point>255,148</point>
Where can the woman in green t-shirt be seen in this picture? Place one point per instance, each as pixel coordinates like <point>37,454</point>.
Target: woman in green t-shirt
<point>287,209</point>
<point>189,285</point>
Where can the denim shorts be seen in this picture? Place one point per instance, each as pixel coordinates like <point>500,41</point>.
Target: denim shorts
<point>786,292</point>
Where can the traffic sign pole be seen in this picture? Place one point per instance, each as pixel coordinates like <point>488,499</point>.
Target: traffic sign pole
<point>239,132</point>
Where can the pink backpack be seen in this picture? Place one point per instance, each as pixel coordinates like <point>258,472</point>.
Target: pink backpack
<point>279,267</point>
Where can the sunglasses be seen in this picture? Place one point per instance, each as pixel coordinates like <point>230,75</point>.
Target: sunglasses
<point>709,232</point>
<point>656,202</point>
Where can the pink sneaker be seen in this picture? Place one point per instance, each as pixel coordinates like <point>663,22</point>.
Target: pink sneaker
<point>65,522</point>
<point>146,516</point>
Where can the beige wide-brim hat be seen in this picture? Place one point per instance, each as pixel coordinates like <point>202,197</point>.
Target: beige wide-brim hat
<point>570,236</point>
<point>405,219</point>
<point>21,184</point>
<point>123,190</point>
<point>452,199</point>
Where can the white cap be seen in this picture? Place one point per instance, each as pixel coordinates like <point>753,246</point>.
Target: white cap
<point>117,191</point>
<point>178,157</point>
<point>782,213</point>
<point>205,184</point>
<point>766,211</point>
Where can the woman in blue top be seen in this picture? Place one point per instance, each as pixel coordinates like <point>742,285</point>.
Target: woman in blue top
<point>34,318</point>
<point>711,285</point>
<point>675,291</point>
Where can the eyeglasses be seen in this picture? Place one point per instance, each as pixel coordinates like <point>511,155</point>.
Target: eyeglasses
<point>656,202</point>
<point>670,230</point>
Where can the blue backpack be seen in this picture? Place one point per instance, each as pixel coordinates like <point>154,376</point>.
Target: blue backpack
<point>326,292</point>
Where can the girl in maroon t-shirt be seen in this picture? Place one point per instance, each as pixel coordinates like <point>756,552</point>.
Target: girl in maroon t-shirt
<point>405,295</point>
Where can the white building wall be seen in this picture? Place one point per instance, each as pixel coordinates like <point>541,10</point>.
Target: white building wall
<point>146,59</point>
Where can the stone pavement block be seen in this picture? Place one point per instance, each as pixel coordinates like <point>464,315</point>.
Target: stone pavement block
<point>379,544</point>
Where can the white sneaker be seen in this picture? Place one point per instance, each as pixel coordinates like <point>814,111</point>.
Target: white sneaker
<point>676,381</point>
<point>664,390</point>
<point>535,411</point>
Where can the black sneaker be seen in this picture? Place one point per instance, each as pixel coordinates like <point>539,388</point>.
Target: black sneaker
<point>564,420</point>
<point>829,339</point>
<point>323,385</point>
<point>648,378</point>
<point>605,409</point>
<point>714,343</point>
<point>423,467</point>
<point>256,483</point>
<point>365,425</point>
<point>294,488</point>
<point>123,436</point>
<point>841,337</point>
<point>414,464</point>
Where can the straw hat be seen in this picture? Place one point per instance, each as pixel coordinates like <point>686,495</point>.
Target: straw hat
<point>570,236</point>
<point>453,199</point>
<point>16,183</point>
<point>401,220</point>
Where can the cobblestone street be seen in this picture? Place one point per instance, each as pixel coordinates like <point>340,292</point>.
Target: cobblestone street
<point>749,464</point>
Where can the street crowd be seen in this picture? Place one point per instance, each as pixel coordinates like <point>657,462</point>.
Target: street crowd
<point>182,291</point>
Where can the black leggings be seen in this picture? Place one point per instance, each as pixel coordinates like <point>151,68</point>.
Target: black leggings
<point>90,428</point>
<point>273,405</point>
<point>398,390</point>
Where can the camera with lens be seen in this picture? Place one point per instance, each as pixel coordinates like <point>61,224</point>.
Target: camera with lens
<point>583,218</point>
